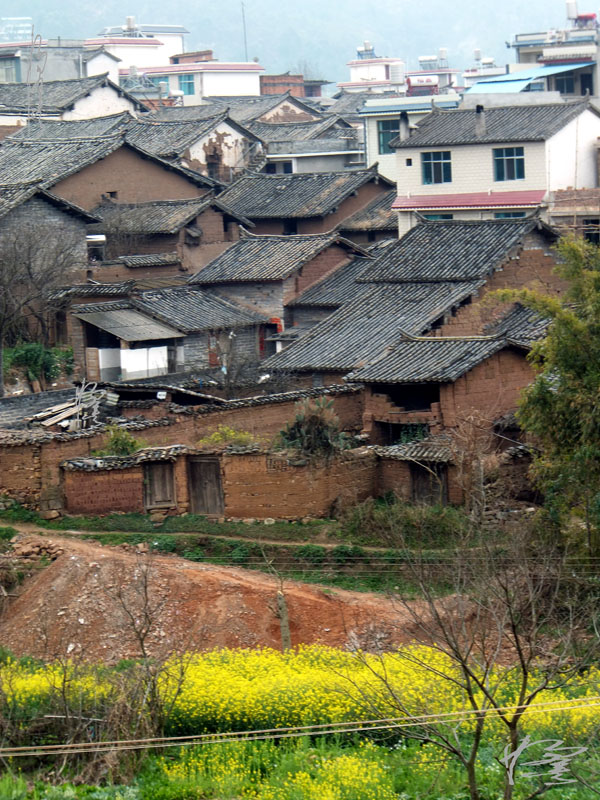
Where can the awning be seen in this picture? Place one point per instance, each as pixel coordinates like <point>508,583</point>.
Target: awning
<point>520,199</point>
<point>129,325</point>
<point>520,80</point>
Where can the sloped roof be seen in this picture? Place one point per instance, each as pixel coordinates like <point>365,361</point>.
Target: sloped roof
<point>434,449</point>
<point>361,328</point>
<point>375,216</point>
<point>190,309</point>
<point>453,250</point>
<point>521,326</point>
<point>13,196</point>
<point>296,196</point>
<point>293,131</point>
<point>149,260</point>
<point>48,162</point>
<point>428,360</point>
<point>204,111</point>
<point>54,97</point>
<point>522,123</point>
<point>245,108</point>
<point>172,138</point>
<point>267,258</point>
<point>122,320</point>
<point>156,216</point>
<point>337,288</point>
<point>54,130</point>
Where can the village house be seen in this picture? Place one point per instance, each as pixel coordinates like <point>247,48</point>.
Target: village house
<point>493,163</point>
<point>163,331</point>
<point>265,273</point>
<point>375,222</point>
<point>271,108</point>
<point>303,203</point>
<point>62,59</point>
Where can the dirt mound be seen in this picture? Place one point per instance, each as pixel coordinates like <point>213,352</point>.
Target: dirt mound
<point>96,601</point>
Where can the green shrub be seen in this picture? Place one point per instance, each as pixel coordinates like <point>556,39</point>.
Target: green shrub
<point>165,544</point>
<point>347,554</point>
<point>119,443</point>
<point>195,554</point>
<point>36,361</point>
<point>313,553</point>
<point>13,787</point>
<point>315,431</point>
<point>224,436</point>
<point>6,534</point>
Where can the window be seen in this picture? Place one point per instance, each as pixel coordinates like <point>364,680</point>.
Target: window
<point>587,84</point>
<point>409,162</point>
<point>290,227</point>
<point>565,84</point>
<point>591,230</point>
<point>438,216</point>
<point>10,70</point>
<point>436,167</point>
<point>186,84</point>
<point>509,164</point>
<point>509,214</point>
<point>387,129</point>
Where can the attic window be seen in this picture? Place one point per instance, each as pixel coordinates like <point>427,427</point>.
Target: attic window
<point>113,195</point>
<point>193,235</point>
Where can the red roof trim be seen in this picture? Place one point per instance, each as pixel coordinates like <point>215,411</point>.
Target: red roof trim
<point>470,200</point>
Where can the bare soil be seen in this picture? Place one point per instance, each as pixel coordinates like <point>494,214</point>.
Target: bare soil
<point>91,598</point>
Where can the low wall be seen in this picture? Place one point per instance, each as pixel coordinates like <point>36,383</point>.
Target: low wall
<point>104,492</point>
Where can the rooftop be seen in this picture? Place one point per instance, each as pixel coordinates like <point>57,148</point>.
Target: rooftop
<point>246,108</point>
<point>375,216</point>
<point>54,97</point>
<point>519,123</point>
<point>296,196</point>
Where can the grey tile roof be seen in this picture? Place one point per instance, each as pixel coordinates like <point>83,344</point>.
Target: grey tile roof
<point>188,113</point>
<point>428,360</point>
<point>288,131</point>
<point>108,463</point>
<point>267,258</point>
<point>297,196</point>
<point>55,130</point>
<point>157,216</point>
<point>14,410</point>
<point>48,162</point>
<point>13,196</point>
<point>521,325</point>
<point>189,309</point>
<point>246,108</point>
<point>375,216</point>
<point>54,97</point>
<point>336,289</point>
<point>449,250</point>
<point>360,329</point>
<point>434,449</point>
<point>149,260</point>
<point>122,320</point>
<point>523,123</point>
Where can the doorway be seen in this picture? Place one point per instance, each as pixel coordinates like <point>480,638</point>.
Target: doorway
<point>206,491</point>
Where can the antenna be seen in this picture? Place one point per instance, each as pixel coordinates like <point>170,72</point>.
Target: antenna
<point>244,27</point>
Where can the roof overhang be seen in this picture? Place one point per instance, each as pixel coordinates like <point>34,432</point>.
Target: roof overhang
<point>129,325</point>
<point>524,199</point>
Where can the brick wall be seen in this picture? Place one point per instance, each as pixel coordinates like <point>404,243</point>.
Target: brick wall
<point>135,179</point>
<point>265,298</point>
<point>261,486</point>
<point>394,475</point>
<point>325,263</point>
<point>104,492</point>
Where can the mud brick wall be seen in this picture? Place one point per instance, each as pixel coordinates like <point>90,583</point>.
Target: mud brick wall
<point>314,270</point>
<point>394,476</point>
<point>20,473</point>
<point>104,492</point>
<point>262,485</point>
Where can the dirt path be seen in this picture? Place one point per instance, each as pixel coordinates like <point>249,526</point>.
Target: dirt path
<point>83,604</point>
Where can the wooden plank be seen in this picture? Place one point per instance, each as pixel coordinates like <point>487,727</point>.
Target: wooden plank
<point>59,417</point>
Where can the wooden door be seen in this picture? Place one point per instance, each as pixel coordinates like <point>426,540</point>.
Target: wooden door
<point>429,483</point>
<point>158,484</point>
<point>206,492</point>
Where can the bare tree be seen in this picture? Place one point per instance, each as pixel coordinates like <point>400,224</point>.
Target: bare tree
<point>519,621</point>
<point>34,260</point>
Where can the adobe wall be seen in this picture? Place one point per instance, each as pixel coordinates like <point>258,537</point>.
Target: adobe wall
<point>314,270</point>
<point>104,492</point>
<point>264,485</point>
<point>532,268</point>
<point>135,179</point>
<point>394,476</point>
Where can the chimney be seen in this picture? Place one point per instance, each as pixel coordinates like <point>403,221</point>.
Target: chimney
<point>404,129</point>
<point>480,127</point>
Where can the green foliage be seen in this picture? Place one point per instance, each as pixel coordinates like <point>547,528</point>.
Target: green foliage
<point>315,431</point>
<point>313,553</point>
<point>119,443</point>
<point>36,361</point>
<point>12,787</point>
<point>6,534</point>
<point>225,436</point>
<point>561,406</point>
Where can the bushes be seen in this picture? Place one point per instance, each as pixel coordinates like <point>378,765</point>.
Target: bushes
<point>37,362</point>
<point>119,443</point>
<point>315,431</point>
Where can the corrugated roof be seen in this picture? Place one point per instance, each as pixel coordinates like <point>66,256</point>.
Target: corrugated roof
<point>449,250</point>
<point>519,80</point>
<point>124,322</point>
<point>375,216</point>
<point>501,200</point>
<point>428,360</point>
<point>296,196</point>
<point>522,123</point>
<point>363,327</point>
<point>267,258</point>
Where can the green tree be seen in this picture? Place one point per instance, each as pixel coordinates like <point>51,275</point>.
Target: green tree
<point>561,408</point>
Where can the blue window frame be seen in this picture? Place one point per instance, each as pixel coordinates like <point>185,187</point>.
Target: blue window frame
<point>186,84</point>
<point>509,214</point>
<point>387,129</point>
<point>438,216</point>
<point>436,167</point>
<point>509,164</point>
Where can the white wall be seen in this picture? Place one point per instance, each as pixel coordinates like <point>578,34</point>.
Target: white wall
<point>139,55</point>
<point>231,83</point>
<point>102,102</point>
<point>472,170</point>
<point>233,146</point>
<point>109,363</point>
<point>144,362</point>
<point>571,154</point>
<point>101,64</point>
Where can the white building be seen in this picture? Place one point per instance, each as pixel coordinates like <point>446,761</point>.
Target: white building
<point>493,163</point>
<point>142,45</point>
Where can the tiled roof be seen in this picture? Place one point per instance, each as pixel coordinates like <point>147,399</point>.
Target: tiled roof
<point>122,320</point>
<point>434,449</point>
<point>55,130</point>
<point>48,162</point>
<point>362,328</point>
<point>149,260</point>
<point>13,196</point>
<point>189,309</point>
<point>53,97</point>
<point>522,123</point>
<point>522,326</point>
<point>449,250</point>
<point>288,131</point>
<point>428,360</point>
<point>337,288</point>
<point>157,216</point>
<point>245,108</point>
<point>299,195</point>
<point>107,463</point>
<point>267,258</point>
<point>188,113</point>
<point>375,216</point>
<point>425,202</point>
